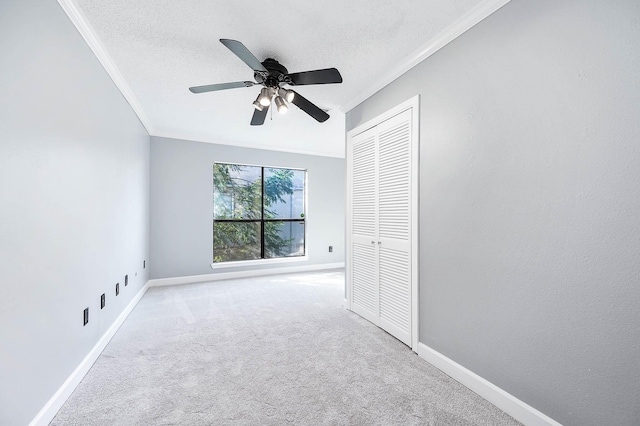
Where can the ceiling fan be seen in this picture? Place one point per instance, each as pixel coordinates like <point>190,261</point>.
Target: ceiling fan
<point>273,76</point>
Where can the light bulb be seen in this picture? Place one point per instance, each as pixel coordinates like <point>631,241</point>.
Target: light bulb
<point>290,95</point>
<point>287,94</point>
<point>282,107</point>
<point>265,96</point>
<point>258,105</point>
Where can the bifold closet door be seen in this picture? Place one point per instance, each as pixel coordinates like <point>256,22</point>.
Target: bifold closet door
<point>364,237</point>
<point>381,203</point>
<point>394,225</point>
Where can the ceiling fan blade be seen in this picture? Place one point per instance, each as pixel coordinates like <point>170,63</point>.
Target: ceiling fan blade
<point>309,108</point>
<point>244,54</point>
<point>221,86</point>
<point>259,116</point>
<point>325,76</point>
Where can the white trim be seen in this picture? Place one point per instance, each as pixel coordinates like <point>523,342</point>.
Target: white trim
<point>89,35</point>
<point>240,263</point>
<point>208,139</point>
<point>508,403</point>
<point>415,220</point>
<point>192,279</point>
<point>51,408</point>
<point>412,104</point>
<point>466,22</point>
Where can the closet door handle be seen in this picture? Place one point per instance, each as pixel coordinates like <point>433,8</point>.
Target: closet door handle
<point>379,242</point>
<point>373,242</point>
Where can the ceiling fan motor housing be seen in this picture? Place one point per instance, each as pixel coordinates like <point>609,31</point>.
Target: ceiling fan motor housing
<point>276,74</point>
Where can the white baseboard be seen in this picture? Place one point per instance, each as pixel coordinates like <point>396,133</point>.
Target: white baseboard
<point>192,279</point>
<point>508,403</point>
<point>51,408</point>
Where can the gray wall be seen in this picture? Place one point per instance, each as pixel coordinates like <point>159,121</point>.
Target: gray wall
<point>529,204</point>
<point>74,188</point>
<point>182,204</point>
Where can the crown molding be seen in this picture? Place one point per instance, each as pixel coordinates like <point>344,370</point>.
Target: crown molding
<point>88,33</point>
<point>208,139</point>
<point>466,22</point>
<point>470,19</point>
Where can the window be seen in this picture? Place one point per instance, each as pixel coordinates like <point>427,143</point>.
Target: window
<point>258,212</point>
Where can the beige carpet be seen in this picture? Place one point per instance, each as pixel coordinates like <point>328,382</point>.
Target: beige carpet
<point>276,350</point>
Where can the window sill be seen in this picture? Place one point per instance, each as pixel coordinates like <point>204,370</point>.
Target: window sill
<point>241,263</point>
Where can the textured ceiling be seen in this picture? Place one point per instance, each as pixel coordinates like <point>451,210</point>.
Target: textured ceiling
<point>162,47</point>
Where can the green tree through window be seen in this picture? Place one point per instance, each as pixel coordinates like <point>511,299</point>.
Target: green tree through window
<point>258,212</point>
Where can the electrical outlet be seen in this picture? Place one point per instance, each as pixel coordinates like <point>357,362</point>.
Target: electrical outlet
<point>126,280</point>
<point>86,316</point>
<point>330,249</point>
<point>117,289</point>
<point>102,301</point>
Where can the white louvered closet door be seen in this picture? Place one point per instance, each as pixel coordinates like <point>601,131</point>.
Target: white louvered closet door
<point>394,225</point>
<point>364,236</point>
<point>381,234</point>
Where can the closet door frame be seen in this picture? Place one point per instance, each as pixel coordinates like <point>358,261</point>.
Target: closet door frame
<point>412,104</point>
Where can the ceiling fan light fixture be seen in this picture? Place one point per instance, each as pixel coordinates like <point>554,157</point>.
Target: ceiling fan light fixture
<point>265,96</point>
<point>282,107</point>
<point>270,74</point>
<point>286,94</point>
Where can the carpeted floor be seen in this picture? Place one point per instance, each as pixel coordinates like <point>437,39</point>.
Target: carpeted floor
<point>276,350</point>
